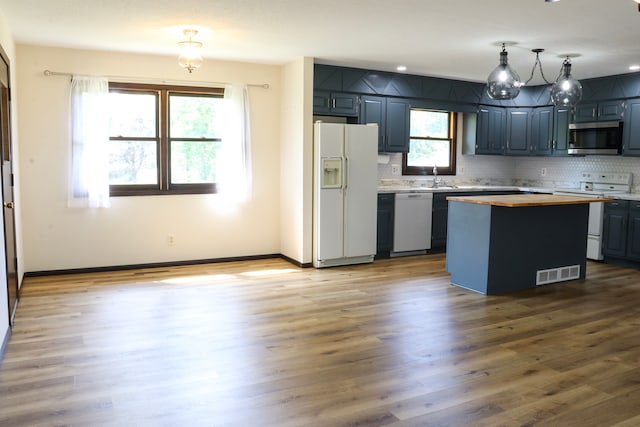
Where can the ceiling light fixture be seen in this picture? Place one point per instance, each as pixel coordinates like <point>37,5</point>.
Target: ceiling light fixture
<point>190,57</point>
<point>503,83</point>
<point>566,91</point>
<point>634,67</point>
<point>538,64</point>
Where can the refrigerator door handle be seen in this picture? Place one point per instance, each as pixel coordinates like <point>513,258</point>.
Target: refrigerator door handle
<point>345,173</point>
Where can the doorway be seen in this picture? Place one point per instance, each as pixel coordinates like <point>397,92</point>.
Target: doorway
<point>6,169</point>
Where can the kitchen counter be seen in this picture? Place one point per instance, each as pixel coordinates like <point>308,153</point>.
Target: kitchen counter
<point>481,188</point>
<point>501,244</point>
<point>626,196</point>
<point>522,200</point>
<point>444,188</point>
<point>457,188</point>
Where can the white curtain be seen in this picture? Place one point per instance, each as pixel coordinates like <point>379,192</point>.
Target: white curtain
<point>89,177</point>
<point>234,164</point>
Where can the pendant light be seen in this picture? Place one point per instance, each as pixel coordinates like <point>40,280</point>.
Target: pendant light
<point>503,83</point>
<point>190,51</point>
<point>566,91</point>
<point>537,64</point>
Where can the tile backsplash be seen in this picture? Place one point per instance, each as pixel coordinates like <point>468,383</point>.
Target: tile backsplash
<point>523,171</point>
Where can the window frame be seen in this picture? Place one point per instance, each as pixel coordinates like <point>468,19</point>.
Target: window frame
<point>428,170</point>
<point>163,141</point>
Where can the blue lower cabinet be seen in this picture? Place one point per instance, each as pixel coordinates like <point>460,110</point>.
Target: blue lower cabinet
<point>384,245</point>
<point>621,230</point>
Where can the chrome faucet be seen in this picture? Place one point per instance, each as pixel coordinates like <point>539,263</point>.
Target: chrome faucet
<point>436,180</point>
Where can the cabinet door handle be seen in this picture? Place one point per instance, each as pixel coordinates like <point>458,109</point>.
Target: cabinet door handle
<point>333,103</point>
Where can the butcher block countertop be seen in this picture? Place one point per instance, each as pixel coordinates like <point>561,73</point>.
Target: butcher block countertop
<point>524,200</point>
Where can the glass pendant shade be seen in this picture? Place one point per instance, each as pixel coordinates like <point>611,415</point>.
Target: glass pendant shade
<point>190,57</point>
<point>503,82</point>
<point>566,91</point>
<point>190,60</point>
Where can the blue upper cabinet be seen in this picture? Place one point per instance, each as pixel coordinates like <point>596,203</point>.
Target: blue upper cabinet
<point>518,131</point>
<point>392,117</point>
<point>631,129</point>
<point>599,111</point>
<point>542,131</point>
<point>327,78</point>
<point>335,103</point>
<point>611,110</point>
<point>491,129</point>
<point>585,112</point>
<point>526,125</point>
<point>373,109</point>
<point>453,94</point>
<point>561,119</point>
<point>611,87</point>
<point>397,127</point>
<point>529,131</point>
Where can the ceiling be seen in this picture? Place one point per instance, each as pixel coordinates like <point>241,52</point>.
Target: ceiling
<point>457,39</point>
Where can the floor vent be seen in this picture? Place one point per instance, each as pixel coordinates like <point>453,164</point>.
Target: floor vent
<point>559,274</point>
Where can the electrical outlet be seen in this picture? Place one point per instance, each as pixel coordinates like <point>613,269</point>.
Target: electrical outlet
<point>543,172</point>
<point>395,170</point>
<point>171,240</point>
<point>461,170</point>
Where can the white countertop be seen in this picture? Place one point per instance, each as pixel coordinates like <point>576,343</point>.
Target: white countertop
<point>457,188</point>
<point>625,196</point>
<point>463,188</point>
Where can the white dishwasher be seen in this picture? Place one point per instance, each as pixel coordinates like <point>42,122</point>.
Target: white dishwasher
<point>412,223</point>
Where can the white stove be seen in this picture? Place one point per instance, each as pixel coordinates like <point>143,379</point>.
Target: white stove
<point>600,186</point>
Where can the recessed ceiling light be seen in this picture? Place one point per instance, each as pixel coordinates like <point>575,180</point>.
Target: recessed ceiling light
<point>634,67</point>
<point>401,68</point>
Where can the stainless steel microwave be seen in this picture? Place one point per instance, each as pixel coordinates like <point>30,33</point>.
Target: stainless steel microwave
<point>595,138</point>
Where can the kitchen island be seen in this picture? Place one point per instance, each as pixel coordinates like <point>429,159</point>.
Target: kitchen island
<point>506,243</point>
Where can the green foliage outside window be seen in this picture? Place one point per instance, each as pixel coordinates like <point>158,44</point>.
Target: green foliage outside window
<point>162,153</point>
<point>194,117</point>
<point>431,143</point>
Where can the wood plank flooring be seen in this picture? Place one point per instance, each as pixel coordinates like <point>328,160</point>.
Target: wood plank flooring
<point>265,343</point>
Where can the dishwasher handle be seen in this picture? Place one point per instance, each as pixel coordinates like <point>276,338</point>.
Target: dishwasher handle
<point>413,196</point>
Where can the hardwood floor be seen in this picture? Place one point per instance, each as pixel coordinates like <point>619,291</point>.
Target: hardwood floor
<point>265,343</point>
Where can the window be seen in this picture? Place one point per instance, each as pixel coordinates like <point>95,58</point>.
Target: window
<point>163,139</point>
<point>432,142</point>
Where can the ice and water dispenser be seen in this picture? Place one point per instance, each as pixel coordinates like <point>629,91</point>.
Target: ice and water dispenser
<point>331,173</point>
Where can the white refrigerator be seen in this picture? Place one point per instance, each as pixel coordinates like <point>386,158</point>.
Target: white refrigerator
<point>345,193</point>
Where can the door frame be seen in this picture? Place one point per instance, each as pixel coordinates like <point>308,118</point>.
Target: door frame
<point>7,181</point>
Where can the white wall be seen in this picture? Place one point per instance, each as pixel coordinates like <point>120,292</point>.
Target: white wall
<point>135,230</point>
<point>527,171</point>
<point>296,158</point>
